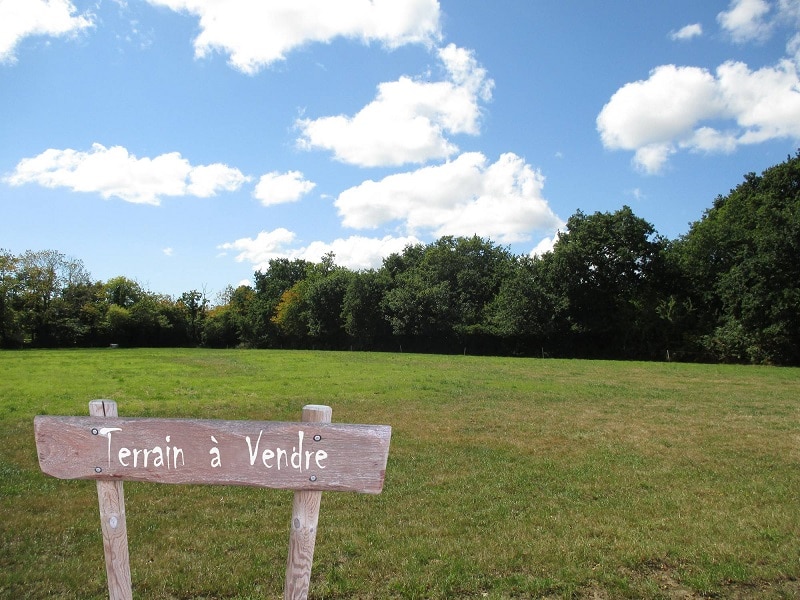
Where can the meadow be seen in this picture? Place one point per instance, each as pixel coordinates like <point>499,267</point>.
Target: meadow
<point>507,478</point>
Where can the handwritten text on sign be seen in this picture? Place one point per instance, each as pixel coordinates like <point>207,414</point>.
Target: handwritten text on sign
<point>297,456</point>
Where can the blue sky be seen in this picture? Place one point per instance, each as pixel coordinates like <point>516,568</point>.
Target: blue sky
<point>184,143</point>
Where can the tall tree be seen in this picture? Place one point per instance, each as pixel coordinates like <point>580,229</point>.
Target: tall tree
<point>42,276</point>
<point>742,261</point>
<point>11,333</point>
<point>123,292</point>
<point>194,306</point>
<point>610,268</point>
<point>291,314</point>
<point>527,306</point>
<point>151,322</point>
<point>79,314</point>
<point>362,308</point>
<point>325,296</point>
<point>227,324</point>
<point>270,286</point>
<point>440,294</point>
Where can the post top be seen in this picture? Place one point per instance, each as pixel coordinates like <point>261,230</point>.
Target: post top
<point>317,413</point>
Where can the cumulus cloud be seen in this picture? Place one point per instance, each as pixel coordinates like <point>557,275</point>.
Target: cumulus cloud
<point>545,245</point>
<point>408,119</point>
<point>22,18</point>
<point>355,252</point>
<point>265,246</point>
<point>765,103</point>
<point>256,34</point>
<point>502,201</point>
<point>279,188</point>
<point>757,20</point>
<point>207,180</point>
<point>688,32</point>
<point>113,172</point>
<point>658,109</point>
<point>746,20</point>
<point>675,108</point>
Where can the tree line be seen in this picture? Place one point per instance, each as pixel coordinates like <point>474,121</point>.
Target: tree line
<point>612,287</point>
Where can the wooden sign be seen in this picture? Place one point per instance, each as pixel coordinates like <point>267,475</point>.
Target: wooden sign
<point>309,457</point>
<point>295,456</point>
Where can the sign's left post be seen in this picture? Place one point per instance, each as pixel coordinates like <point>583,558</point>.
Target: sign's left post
<point>111,497</point>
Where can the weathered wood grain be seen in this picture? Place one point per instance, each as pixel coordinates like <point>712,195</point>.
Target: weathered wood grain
<point>111,498</point>
<point>309,457</point>
<point>303,530</point>
<point>296,456</point>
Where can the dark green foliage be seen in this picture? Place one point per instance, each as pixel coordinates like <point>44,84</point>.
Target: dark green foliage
<point>48,300</point>
<point>610,272</point>
<point>325,297</point>
<point>441,292</point>
<point>741,261</point>
<point>362,310</point>
<point>269,287</point>
<point>527,307</point>
<point>729,290</point>
<point>11,332</point>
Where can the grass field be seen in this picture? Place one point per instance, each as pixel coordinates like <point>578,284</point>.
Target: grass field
<point>507,478</point>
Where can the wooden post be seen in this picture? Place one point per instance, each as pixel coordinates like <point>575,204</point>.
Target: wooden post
<point>303,531</point>
<point>102,446</point>
<point>112,520</point>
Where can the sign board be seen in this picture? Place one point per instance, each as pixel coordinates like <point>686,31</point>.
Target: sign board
<point>295,456</point>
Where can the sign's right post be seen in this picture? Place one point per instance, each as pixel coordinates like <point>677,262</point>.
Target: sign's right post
<point>303,530</point>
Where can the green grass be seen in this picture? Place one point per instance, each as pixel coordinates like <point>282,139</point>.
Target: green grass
<point>507,478</point>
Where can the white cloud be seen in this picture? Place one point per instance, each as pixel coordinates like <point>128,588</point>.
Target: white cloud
<point>651,158</point>
<point>688,32</point>
<point>113,172</point>
<point>670,111</point>
<point>545,245</point>
<point>279,188</point>
<point>757,20</point>
<point>207,180</point>
<point>746,20</point>
<point>408,119</point>
<point>258,251</point>
<point>708,139</point>
<point>22,18</point>
<point>467,196</point>
<point>658,109</point>
<point>355,252</point>
<point>168,251</point>
<point>502,201</point>
<point>766,102</point>
<point>256,34</point>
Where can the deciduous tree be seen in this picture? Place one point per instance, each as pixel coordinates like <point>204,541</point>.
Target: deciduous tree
<point>609,270</point>
<point>742,261</point>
